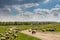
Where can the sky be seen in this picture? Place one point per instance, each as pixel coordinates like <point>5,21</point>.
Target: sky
<point>30,10</point>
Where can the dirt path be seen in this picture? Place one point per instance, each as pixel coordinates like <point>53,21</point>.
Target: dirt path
<point>44,35</point>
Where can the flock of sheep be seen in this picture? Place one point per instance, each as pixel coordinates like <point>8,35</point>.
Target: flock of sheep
<point>34,30</point>
<point>10,34</point>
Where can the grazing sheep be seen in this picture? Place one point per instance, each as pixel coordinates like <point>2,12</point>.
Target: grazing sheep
<point>3,38</point>
<point>12,28</point>
<point>50,29</point>
<point>7,37</point>
<point>12,32</point>
<point>33,31</point>
<point>15,36</point>
<point>18,29</point>
<point>7,34</point>
<point>29,30</point>
<point>2,35</point>
<point>43,30</point>
<point>15,31</point>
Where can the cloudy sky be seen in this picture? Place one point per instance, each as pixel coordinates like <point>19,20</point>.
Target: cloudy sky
<point>30,10</point>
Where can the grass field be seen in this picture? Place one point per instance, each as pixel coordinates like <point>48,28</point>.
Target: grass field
<point>38,27</point>
<point>22,36</point>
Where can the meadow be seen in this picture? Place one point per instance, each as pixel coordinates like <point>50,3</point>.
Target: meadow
<point>38,27</point>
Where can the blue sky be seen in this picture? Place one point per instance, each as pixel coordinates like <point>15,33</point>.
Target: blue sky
<point>30,10</point>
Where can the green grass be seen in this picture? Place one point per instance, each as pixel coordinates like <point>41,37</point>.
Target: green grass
<point>22,36</point>
<point>38,27</point>
<point>25,37</point>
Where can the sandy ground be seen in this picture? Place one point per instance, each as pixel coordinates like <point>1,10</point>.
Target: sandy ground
<point>44,35</point>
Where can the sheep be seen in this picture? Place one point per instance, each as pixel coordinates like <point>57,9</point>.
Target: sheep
<point>33,31</point>
<point>10,32</point>
<point>43,30</point>
<point>16,30</point>
<point>12,28</point>
<point>2,35</point>
<point>7,37</point>
<point>50,29</point>
<point>29,30</point>
<point>7,34</point>
<point>15,36</point>
<point>3,38</point>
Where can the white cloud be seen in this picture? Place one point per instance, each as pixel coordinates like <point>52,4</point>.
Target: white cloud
<point>46,1</point>
<point>30,5</point>
<point>41,12</point>
<point>37,15</point>
<point>17,8</point>
<point>57,6</point>
<point>48,15</point>
<point>25,16</point>
<point>6,9</point>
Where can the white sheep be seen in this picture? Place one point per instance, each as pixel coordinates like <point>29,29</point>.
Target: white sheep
<point>3,38</point>
<point>2,35</point>
<point>15,36</point>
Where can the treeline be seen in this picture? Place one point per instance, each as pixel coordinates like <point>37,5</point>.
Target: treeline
<point>25,23</point>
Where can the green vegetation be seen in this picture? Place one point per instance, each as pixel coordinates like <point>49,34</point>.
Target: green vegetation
<point>29,25</point>
<point>25,37</point>
<point>39,26</point>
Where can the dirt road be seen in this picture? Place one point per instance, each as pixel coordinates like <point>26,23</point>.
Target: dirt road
<point>44,35</point>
